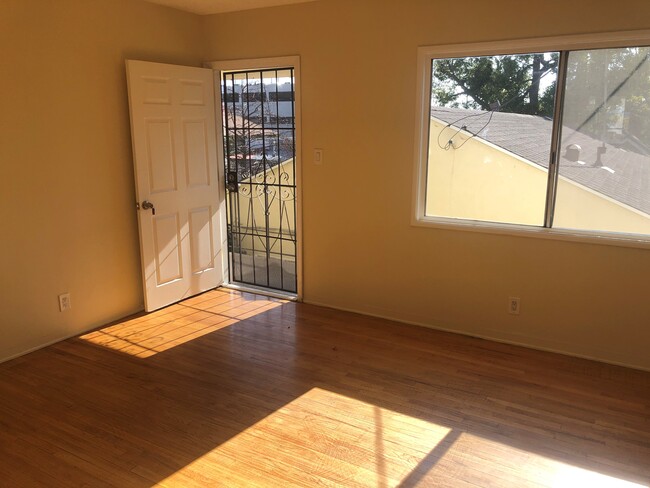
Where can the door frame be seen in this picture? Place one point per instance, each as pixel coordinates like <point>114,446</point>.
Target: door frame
<point>219,68</point>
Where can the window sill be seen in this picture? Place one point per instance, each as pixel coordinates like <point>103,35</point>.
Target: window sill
<point>580,236</point>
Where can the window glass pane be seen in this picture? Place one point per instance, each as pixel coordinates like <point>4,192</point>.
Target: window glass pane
<point>604,181</point>
<point>490,136</point>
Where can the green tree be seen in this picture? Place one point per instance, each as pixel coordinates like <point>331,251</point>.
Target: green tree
<point>607,90</point>
<point>522,84</point>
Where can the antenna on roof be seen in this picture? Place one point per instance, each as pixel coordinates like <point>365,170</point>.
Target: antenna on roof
<point>600,150</point>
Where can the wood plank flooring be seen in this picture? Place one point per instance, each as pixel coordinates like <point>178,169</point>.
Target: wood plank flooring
<point>233,389</point>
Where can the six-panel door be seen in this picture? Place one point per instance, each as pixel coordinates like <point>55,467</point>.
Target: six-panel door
<point>174,147</point>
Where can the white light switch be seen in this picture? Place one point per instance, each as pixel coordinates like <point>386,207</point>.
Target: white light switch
<point>318,156</point>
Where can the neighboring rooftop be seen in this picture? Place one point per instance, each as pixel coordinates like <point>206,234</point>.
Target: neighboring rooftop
<point>529,136</point>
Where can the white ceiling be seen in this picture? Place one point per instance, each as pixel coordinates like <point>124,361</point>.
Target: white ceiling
<point>204,7</point>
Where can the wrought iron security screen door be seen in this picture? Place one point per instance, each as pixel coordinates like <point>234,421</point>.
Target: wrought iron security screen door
<point>260,159</point>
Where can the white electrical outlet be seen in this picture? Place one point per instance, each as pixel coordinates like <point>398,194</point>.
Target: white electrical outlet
<point>64,302</point>
<point>513,305</point>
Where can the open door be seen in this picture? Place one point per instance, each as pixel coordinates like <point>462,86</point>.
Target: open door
<point>177,185</point>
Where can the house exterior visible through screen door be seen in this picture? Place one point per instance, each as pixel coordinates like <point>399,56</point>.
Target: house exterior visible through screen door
<point>259,147</point>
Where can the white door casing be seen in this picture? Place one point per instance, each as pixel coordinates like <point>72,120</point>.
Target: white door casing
<point>221,67</point>
<point>175,158</point>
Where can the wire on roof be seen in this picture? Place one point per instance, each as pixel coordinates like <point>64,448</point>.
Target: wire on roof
<point>450,142</point>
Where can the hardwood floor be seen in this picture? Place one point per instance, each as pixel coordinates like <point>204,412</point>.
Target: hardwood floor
<point>232,389</point>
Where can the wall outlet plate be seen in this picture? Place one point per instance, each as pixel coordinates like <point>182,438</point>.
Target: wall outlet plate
<point>64,302</point>
<point>514,305</point>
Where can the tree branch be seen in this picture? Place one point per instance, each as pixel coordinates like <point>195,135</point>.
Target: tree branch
<point>468,91</point>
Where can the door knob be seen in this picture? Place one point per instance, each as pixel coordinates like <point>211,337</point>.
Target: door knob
<point>146,205</point>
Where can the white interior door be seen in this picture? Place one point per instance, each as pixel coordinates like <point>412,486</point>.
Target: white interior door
<point>177,186</point>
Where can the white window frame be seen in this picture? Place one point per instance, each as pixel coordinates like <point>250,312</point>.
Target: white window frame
<point>422,113</point>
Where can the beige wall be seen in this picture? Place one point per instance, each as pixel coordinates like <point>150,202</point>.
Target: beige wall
<point>66,176</point>
<point>358,61</point>
<point>578,207</point>
<point>480,181</point>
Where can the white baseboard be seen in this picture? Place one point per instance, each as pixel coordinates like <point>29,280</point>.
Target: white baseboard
<point>487,336</point>
<point>70,336</point>
<point>560,349</point>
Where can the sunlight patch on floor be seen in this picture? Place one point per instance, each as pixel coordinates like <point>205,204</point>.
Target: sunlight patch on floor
<point>570,477</point>
<point>485,459</point>
<point>178,324</point>
<point>327,439</point>
<point>320,438</point>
